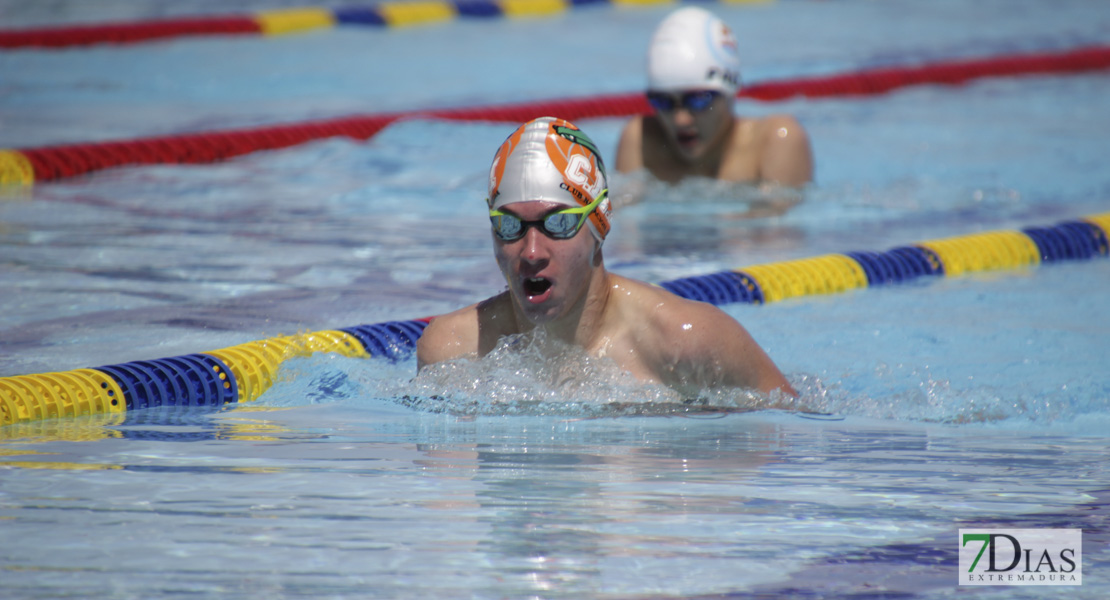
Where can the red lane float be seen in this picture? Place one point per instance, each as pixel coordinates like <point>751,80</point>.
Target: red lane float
<point>126,32</point>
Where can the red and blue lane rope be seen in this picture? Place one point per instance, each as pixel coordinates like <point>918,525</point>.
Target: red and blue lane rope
<point>405,13</point>
<point>242,373</point>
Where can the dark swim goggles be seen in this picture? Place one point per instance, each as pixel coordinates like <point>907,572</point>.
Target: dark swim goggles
<point>560,224</point>
<point>695,101</point>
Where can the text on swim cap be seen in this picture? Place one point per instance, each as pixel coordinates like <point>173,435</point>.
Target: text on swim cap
<point>730,77</point>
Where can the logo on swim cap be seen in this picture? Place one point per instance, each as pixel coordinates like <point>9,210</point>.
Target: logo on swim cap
<point>550,160</point>
<point>583,172</point>
<point>576,136</point>
<point>693,49</point>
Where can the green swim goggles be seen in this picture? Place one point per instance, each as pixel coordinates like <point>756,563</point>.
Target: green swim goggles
<point>559,224</point>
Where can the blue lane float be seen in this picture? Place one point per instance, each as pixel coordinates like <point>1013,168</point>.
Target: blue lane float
<point>395,340</point>
<point>190,380</point>
<point>242,373</point>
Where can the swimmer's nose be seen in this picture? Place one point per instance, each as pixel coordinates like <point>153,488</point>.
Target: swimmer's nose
<point>683,117</point>
<point>535,245</point>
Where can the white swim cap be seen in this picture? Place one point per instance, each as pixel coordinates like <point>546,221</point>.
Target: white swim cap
<point>551,160</point>
<point>693,49</point>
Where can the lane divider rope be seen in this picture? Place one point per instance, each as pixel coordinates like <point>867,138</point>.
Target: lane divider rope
<point>244,372</point>
<point>24,167</point>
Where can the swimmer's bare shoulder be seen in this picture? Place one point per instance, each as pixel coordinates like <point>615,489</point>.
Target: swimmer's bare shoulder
<point>447,337</point>
<point>690,343</point>
<point>469,332</point>
<point>786,157</point>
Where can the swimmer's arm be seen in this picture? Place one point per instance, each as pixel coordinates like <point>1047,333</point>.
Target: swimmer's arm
<point>630,155</point>
<point>745,363</point>
<point>787,158</point>
<point>448,337</point>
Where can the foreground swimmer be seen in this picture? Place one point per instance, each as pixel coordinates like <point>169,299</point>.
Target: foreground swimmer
<point>547,183</point>
<point>693,77</point>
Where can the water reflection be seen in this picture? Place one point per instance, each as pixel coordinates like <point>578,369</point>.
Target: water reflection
<point>705,218</point>
<point>560,517</point>
<point>55,437</point>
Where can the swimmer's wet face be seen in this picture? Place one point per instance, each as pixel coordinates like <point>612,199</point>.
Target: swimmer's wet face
<point>547,277</point>
<point>547,184</point>
<point>699,123</point>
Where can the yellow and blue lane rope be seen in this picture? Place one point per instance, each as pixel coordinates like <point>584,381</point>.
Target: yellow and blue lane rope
<point>242,373</point>
<point>834,273</point>
<point>393,14</point>
<point>408,13</point>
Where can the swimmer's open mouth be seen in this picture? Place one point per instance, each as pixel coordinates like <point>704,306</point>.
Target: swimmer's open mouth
<point>686,138</point>
<point>536,286</point>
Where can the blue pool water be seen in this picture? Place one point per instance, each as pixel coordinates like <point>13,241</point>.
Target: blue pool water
<point>981,401</point>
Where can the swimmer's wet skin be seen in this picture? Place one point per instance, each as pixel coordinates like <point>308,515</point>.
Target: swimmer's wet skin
<point>546,183</point>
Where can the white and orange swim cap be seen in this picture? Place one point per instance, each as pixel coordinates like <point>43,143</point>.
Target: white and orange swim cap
<point>550,160</point>
<point>692,49</point>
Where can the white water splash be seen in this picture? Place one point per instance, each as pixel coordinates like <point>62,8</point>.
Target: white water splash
<point>528,374</point>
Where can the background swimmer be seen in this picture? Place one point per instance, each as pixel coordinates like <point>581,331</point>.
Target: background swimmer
<point>546,184</point>
<point>693,75</point>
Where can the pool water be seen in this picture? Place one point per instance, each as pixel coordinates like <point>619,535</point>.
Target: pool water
<point>980,401</point>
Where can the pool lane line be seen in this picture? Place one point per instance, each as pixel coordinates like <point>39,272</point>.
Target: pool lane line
<point>1081,239</point>
<point>244,372</point>
<point>235,374</point>
<point>301,20</point>
<point>24,167</point>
